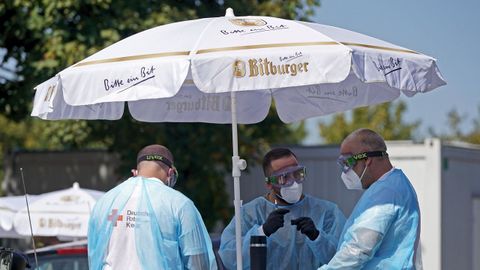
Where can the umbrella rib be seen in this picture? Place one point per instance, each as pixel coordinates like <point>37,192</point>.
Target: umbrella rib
<point>130,58</point>
<point>378,47</point>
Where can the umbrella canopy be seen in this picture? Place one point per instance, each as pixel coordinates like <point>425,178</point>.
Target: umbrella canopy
<point>228,69</point>
<point>9,206</point>
<point>185,72</point>
<point>63,213</point>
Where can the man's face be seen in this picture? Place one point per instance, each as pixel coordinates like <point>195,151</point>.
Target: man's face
<point>349,148</point>
<point>280,164</point>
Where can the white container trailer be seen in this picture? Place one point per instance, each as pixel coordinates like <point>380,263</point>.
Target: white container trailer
<point>446,177</point>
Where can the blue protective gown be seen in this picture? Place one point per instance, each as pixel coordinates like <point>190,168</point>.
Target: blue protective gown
<point>384,228</point>
<point>287,248</point>
<point>172,235</point>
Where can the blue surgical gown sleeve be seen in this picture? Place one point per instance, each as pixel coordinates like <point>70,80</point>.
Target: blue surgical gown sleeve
<point>196,252</point>
<point>361,239</point>
<point>228,249</point>
<point>94,263</point>
<point>325,246</point>
<point>191,240</point>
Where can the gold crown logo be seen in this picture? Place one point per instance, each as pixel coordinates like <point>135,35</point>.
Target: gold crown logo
<point>69,198</point>
<point>248,22</point>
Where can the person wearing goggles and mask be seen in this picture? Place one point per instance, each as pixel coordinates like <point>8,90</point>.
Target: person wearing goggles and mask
<point>302,231</point>
<point>144,223</point>
<point>383,230</point>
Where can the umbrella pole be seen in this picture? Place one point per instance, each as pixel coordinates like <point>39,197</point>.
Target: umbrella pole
<point>237,165</point>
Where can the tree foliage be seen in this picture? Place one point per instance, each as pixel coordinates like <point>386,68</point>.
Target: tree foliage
<point>455,131</point>
<point>40,38</point>
<point>386,119</point>
<point>474,135</point>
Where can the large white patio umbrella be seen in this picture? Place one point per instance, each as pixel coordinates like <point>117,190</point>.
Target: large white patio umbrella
<point>227,69</point>
<point>63,213</point>
<point>9,206</point>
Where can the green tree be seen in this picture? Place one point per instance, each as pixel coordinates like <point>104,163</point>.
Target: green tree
<point>40,38</point>
<point>386,118</point>
<point>474,135</point>
<point>454,120</point>
<point>455,131</point>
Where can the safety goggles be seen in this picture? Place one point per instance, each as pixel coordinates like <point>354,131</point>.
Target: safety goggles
<point>157,157</point>
<point>347,162</point>
<point>286,177</point>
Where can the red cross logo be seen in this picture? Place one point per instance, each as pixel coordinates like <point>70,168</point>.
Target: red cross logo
<point>115,216</point>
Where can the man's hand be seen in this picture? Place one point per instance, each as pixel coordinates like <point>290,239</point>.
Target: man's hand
<point>307,227</point>
<point>274,221</point>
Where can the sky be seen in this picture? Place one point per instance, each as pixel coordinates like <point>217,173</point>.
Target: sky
<point>446,30</point>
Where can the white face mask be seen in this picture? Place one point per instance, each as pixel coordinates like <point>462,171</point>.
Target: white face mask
<point>351,179</point>
<point>292,193</point>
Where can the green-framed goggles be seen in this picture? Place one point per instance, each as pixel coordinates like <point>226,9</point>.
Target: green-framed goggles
<point>347,162</point>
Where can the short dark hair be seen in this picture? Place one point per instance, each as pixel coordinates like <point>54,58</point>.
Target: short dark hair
<point>275,154</point>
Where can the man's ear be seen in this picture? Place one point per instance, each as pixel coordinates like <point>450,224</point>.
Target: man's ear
<point>172,175</point>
